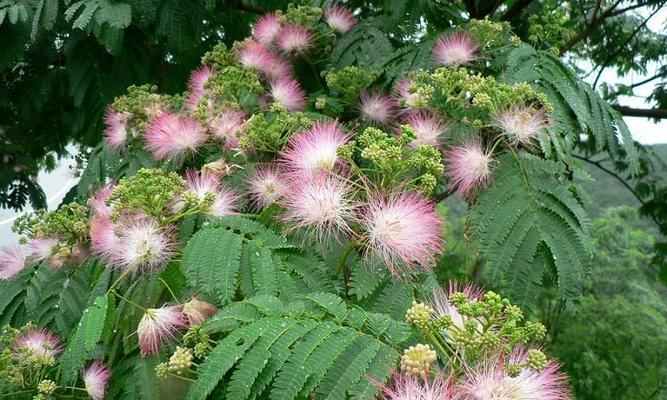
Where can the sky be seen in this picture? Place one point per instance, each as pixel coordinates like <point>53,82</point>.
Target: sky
<point>643,130</point>
<point>58,182</point>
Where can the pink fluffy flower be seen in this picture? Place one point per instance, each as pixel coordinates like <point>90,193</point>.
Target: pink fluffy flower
<point>339,18</point>
<point>377,107</point>
<point>410,387</point>
<point>428,128</point>
<point>227,126</point>
<point>98,203</point>
<point>278,68</point>
<point>440,303</point>
<point>266,28</point>
<point>95,379</point>
<point>207,184</point>
<point>173,135</point>
<point>294,39</point>
<point>143,245</point>
<point>104,241</point>
<point>521,124</point>
<point>198,311</point>
<point>405,89</point>
<point>196,89</point>
<point>402,230</point>
<point>12,262</point>
<point>455,49</point>
<point>37,343</point>
<point>320,205</point>
<point>288,93</point>
<point>256,56</point>
<point>157,325</point>
<point>490,380</point>
<point>266,186</point>
<point>40,249</point>
<point>116,131</point>
<point>469,167</point>
<point>314,150</point>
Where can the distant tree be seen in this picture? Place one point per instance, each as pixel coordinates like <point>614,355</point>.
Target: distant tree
<point>614,346</point>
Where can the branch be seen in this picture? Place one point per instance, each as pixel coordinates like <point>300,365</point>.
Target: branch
<point>621,47</point>
<point>657,113</point>
<point>472,7</point>
<point>486,12</point>
<point>662,73</point>
<point>632,7</point>
<point>441,196</point>
<point>623,182</point>
<point>516,9</point>
<point>590,28</point>
<point>240,5</point>
<point>612,173</point>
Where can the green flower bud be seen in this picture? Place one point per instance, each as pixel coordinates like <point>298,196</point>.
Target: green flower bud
<point>162,370</point>
<point>420,315</point>
<point>320,103</point>
<point>417,359</point>
<point>201,350</point>
<point>513,370</point>
<point>536,360</point>
<point>180,361</point>
<point>46,386</point>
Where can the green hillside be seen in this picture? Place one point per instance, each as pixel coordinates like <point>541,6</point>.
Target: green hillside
<point>606,191</point>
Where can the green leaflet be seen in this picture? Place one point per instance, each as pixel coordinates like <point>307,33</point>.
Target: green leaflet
<point>323,348</point>
<point>211,262</point>
<point>87,334</point>
<point>348,369</point>
<point>577,108</point>
<point>13,294</point>
<point>365,279</point>
<point>95,321</point>
<point>145,379</point>
<point>50,298</point>
<point>234,255</point>
<point>528,206</point>
<point>223,357</point>
<point>365,45</point>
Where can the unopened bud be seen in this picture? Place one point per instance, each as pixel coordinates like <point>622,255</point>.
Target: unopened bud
<point>417,359</point>
<point>419,314</point>
<point>181,360</point>
<point>219,167</point>
<point>536,360</point>
<point>162,370</point>
<point>46,386</point>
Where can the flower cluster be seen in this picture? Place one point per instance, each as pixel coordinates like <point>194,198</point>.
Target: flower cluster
<point>484,351</point>
<point>55,237</point>
<point>158,325</point>
<point>337,160</point>
<point>28,357</point>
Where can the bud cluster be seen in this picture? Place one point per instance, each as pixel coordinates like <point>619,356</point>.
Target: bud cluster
<point>46,386</point>
<point>269,134</point>
<point>151,192</point>
<point>349,82</point>
<point>421,315</point>
<point>142,103</point>
<point>181,361</point>
<point>417,359</point>
<point>232,86</point>
<point>473,97</point>
<point>477,326</point>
